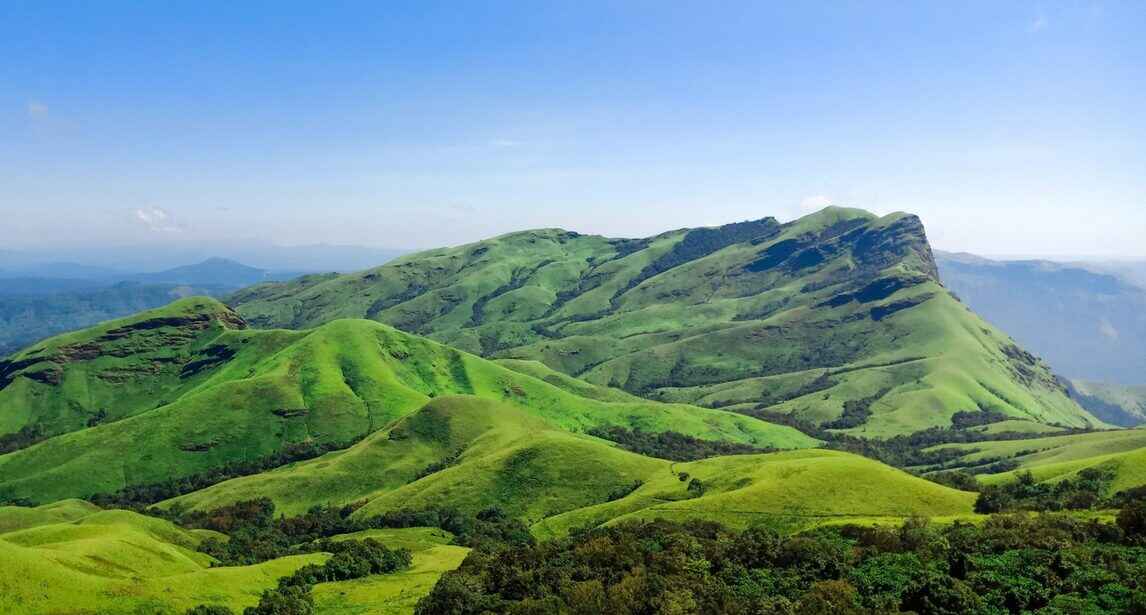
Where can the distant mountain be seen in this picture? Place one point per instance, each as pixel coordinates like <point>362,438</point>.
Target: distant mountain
<point>836,319</point>
<point>113,262</point>
<point>214,271</point>
<point>34,308</point>
<point>30,317</point>
<point>1087,325</point>
<point>1113,403</point>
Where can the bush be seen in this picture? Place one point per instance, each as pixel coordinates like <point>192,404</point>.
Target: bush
<point>1132,521</point>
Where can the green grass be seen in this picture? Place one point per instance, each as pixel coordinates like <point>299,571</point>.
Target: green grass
<point>1059,457</point>
<point>339,382</point>
<point>77,558</point>
<point>790,491</point>
<point>393,594</point>
<point>119,562</point>
<point>555,480</point>
<point>708,317</point>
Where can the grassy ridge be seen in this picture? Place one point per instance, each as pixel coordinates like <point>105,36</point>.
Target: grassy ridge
<point>800,318</point>
<point>269,389</point>
<point>554,480</point>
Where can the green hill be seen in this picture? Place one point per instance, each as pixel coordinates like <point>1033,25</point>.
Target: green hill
<point>1057,457</point>
<point>791,490</point>
<point>187,389</point>
<point>72,557</point>
<point>119,562</point>
<point>802,318</point>
<point>554,480</point>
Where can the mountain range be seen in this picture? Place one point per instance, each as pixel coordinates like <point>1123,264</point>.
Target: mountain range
<point>539,387</point>
<point>799,318</point>
<point>32,308</point>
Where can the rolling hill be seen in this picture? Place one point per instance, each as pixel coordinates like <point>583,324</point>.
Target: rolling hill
<point>72,557</point>
<point>117,562</point>
<point>188,388</point>
<point>801,318</point>
<point>1055,457</point>
<point>470,453</point>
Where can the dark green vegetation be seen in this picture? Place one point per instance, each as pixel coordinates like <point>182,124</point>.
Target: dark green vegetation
<point>797,318</point>
<point>1045,564</point>
<point>1088,325</point>
<point>672,445</point>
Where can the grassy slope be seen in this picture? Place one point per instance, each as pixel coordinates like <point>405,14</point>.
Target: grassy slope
<point>340,381</point>
<point>393,594</point>
<point>123,367</point>
<point>741,316</point>
<point>119,562</point>
<point>788,490</point>
<point>1058,457</point>
<point>71,557</point>
<point>556,480</point>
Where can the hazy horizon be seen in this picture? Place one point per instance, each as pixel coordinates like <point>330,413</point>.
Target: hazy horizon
<point>1009,129</point>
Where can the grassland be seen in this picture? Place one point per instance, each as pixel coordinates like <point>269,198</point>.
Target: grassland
<point>255,392</point>
<point>1059,457</point>
<point>798,318</point>
<point>393,594</point>
<point>788,491</point>
<point>555,480</point>
<point>71,558</point>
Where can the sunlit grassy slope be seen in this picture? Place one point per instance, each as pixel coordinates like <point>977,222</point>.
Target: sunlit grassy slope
<point>254,392</point>
<point>1058,457</point>
<point>117,562</point>
<point>393,594</point>
<point>555,480</point>
<point>791,490</point>
<point>71,557</point>
<point>799,318</point>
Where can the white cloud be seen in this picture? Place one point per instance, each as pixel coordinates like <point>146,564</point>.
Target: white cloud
<point>1107,330</point>
<point>36,110</point>
<point>504,143</point>
<point>157,220</point>
<point>814,203</point>
<point>1037,24</point>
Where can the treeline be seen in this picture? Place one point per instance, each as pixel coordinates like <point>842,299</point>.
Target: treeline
<point>1084,491</point>
<point>137,497</point>
<point>908,450</point>
<point>1050,563</point>
<point>256,535</point>
<point>23,438</point>
<point>350,559</point>
<point>672,445</point>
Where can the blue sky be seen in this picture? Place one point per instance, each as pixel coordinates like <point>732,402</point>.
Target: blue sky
<point>1010,127</point>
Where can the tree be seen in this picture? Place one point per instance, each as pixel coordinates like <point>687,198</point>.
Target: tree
<point>1132,520</point>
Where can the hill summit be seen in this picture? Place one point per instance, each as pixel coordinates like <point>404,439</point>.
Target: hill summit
<point>837,319</point>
